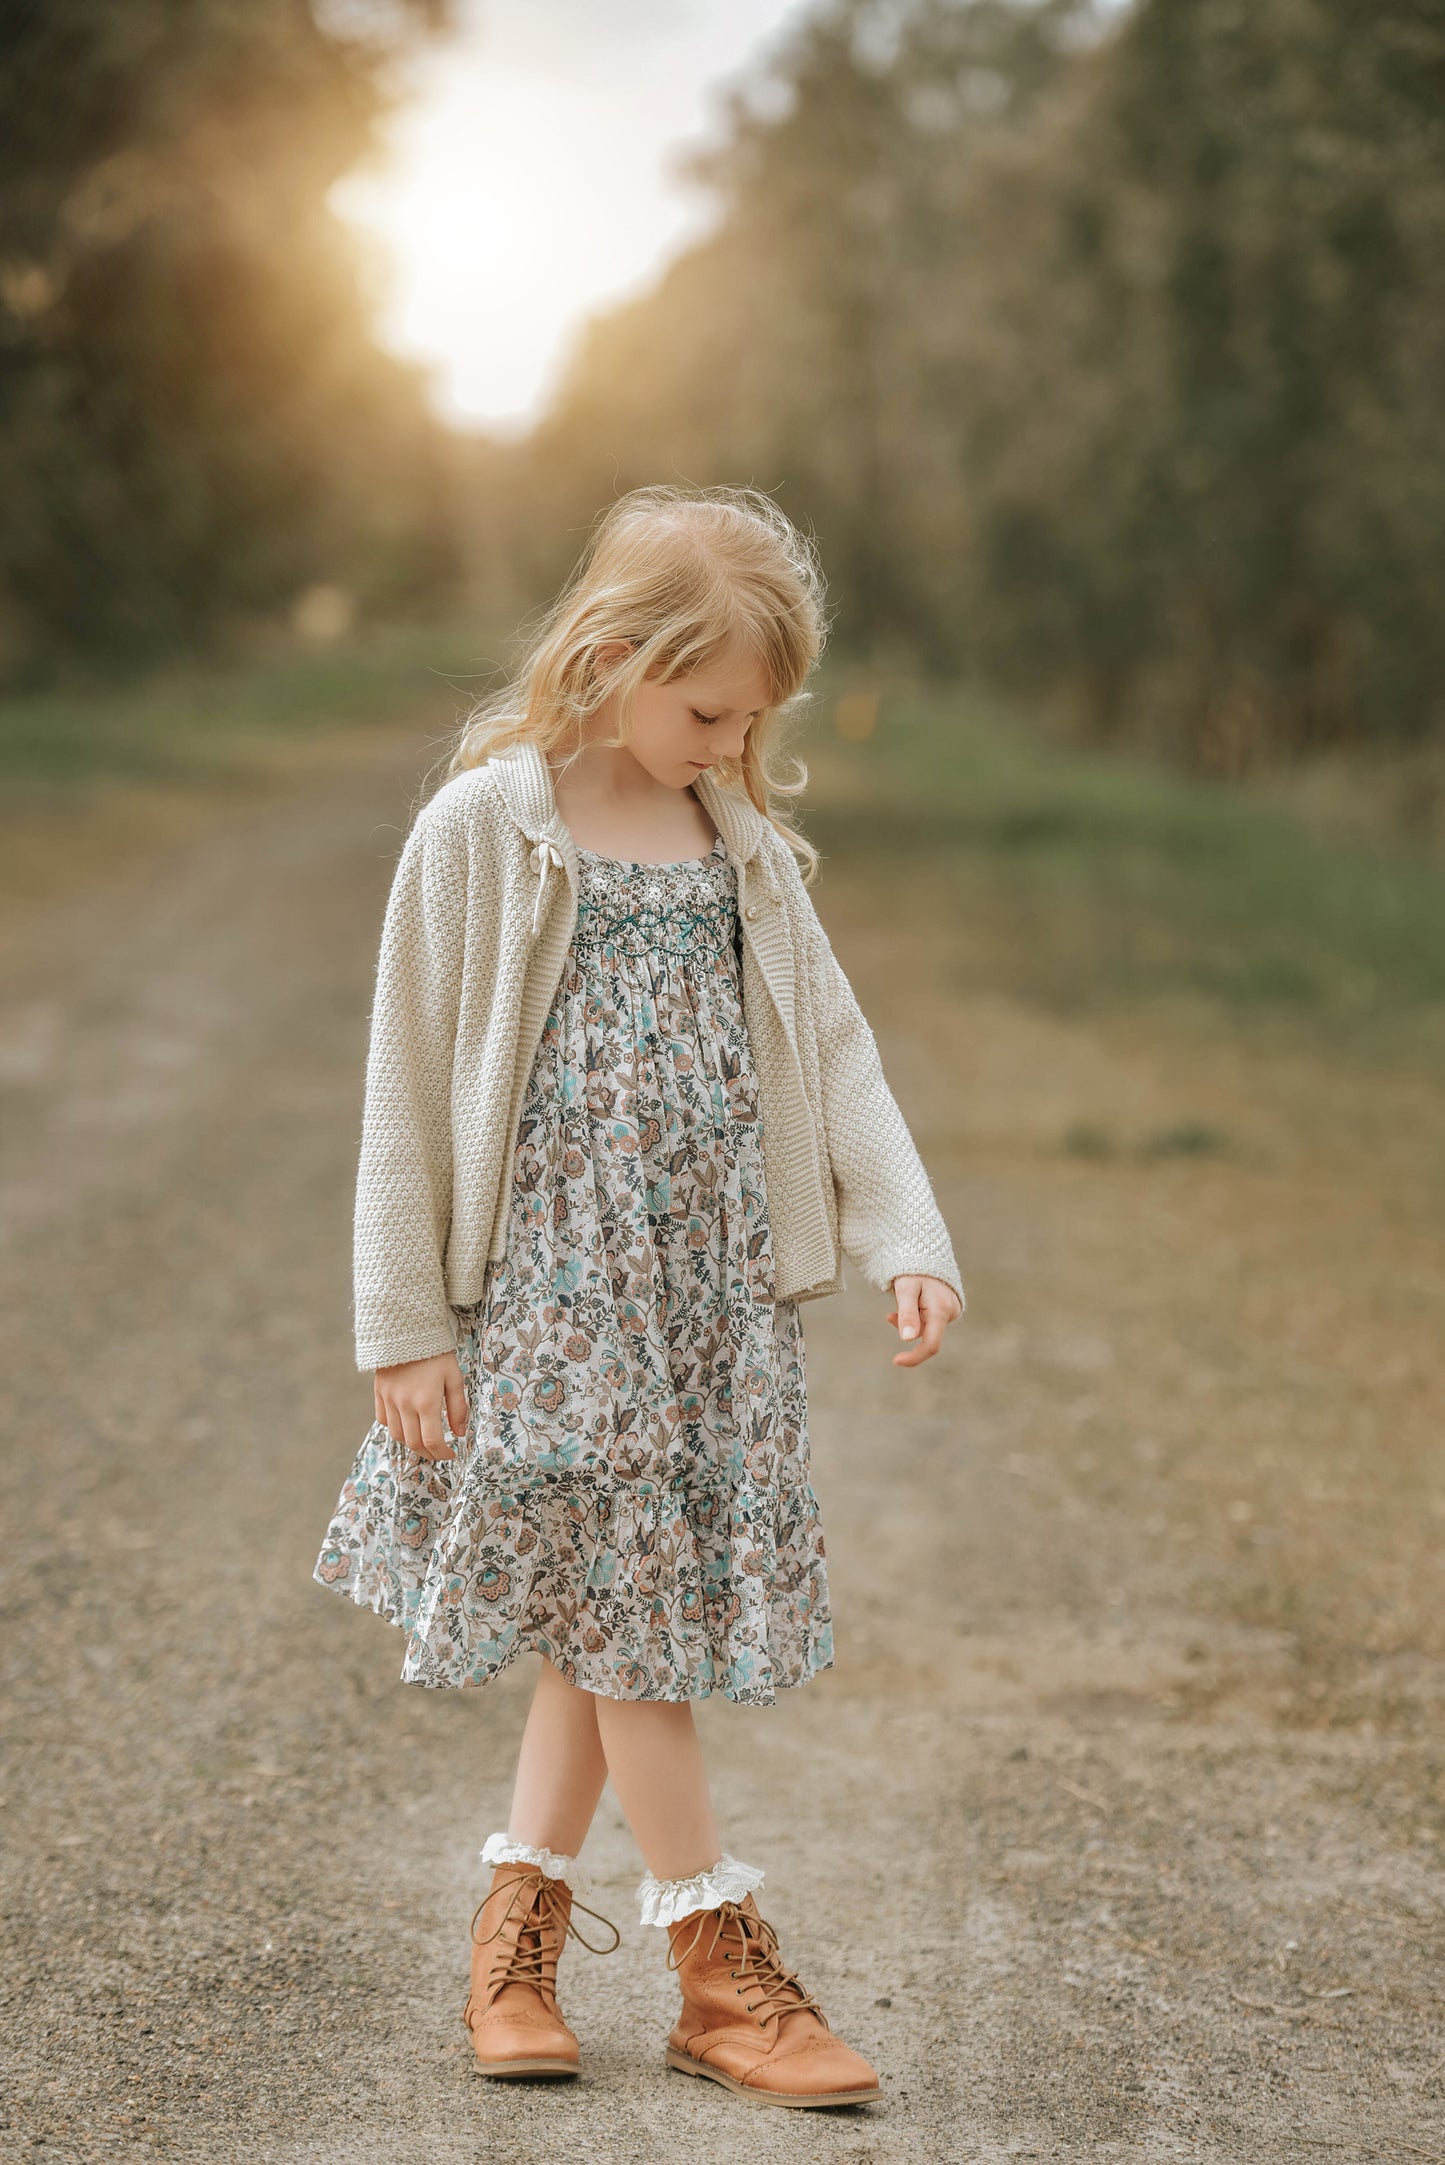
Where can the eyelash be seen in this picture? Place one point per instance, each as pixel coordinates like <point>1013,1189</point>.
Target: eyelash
<point>709,719</point>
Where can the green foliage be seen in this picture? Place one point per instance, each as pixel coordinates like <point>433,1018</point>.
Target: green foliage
<point>192,723</point>
<point>1206,453</point>
<point>1103,352</point>
<point>194,420</point>
<point>1108,878</point>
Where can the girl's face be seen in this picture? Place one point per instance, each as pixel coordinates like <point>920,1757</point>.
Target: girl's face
<point>688,724</point>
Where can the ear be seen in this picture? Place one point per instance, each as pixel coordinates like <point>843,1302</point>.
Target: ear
<point>612,654</point>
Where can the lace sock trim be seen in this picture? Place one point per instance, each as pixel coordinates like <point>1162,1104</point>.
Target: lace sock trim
<point>665,1901</point>
<point>501,1849</point>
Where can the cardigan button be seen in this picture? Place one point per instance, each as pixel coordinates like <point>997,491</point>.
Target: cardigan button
<point>751,912</point>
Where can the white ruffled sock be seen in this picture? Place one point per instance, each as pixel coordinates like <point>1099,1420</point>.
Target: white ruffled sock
<point>666,1901</point>
<point>501,1849</point>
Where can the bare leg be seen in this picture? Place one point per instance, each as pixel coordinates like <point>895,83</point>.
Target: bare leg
<point>560,1768</point>
<point>655,1761</point>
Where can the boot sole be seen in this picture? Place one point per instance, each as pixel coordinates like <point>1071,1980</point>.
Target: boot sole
<point>530,2070</point>
<point>682,2064</point>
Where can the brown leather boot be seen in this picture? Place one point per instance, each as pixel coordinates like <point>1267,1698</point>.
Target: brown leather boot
<point>746,2021</point>
<point>516,2026</point>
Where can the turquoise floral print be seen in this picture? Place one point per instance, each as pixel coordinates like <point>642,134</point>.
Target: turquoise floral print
<point>632,1496</point>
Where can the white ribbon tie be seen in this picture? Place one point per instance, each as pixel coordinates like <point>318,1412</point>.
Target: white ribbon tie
<point>544,856</point>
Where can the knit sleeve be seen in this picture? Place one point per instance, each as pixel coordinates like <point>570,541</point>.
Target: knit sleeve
<point>888,1220</point>
<point>404,1183</point>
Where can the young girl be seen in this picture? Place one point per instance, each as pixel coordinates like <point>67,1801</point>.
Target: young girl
<point>622,1114</point>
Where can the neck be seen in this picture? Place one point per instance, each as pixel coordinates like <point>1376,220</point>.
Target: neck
<point>606,774</point>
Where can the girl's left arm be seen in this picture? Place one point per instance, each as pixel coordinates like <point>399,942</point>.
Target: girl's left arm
<point>888,1219</point>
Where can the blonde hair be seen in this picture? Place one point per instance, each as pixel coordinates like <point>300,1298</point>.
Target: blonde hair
<point>681,576</point>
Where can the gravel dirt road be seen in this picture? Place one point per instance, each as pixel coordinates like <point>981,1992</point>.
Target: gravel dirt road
<point>1096,1864</point>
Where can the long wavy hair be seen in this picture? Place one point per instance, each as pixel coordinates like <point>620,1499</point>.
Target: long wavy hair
<point>682,576</point>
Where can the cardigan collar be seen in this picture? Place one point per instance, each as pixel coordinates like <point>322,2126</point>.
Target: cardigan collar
<point>525,781</point>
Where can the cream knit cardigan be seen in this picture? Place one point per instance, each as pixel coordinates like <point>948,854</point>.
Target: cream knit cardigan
<point>480,919</point>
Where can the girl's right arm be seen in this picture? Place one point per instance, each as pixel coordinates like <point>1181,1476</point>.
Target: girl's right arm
<point>404,1184</point>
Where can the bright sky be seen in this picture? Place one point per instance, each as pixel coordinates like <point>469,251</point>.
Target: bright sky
<point>526,182</point>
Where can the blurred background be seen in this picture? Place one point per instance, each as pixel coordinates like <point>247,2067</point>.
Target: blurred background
<point>1102,347</point>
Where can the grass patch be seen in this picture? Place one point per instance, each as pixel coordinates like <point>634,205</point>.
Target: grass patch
<point>193,723</point>
<point>1186,1139</point>
<point>1099,1145</point>
<point>1099,876</point>
<point>1073,877</point>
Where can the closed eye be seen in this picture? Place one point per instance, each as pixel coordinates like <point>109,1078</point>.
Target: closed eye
<point>709,719</point>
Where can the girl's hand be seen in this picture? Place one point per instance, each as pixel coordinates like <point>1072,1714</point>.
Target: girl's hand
<point>411,1398</point>
<point>926,1306</point>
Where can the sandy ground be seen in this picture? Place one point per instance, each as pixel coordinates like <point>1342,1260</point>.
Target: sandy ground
<point>1058,1842</point>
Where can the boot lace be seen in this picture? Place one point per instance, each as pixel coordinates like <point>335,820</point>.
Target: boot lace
<point>540,1906</point>
<point>768,1989</point>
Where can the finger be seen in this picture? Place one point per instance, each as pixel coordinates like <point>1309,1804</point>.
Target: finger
<point>410,1429</point>
<point>380,1408</point>
<point>935,1307</point>
<point>905,1293</point>
<point>938,1303</point>
<point>933,1329</point>
<point>433,1442</point>
<point>922,1349</point>
<point>456,1396</point>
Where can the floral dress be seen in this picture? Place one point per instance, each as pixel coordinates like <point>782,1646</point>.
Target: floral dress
<point>632,1495</point>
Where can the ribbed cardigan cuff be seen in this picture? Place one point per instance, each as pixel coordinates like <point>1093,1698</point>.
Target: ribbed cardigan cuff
<point>419,1344</point>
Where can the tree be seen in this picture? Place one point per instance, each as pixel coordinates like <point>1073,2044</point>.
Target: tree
<point>1104,352</point>
<point>194,419</point>
<point>810,344</point>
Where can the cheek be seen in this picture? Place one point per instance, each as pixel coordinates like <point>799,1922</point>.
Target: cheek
<point>662,739</point>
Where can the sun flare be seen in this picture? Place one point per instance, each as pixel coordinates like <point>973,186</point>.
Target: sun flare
<point>521,188</point>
